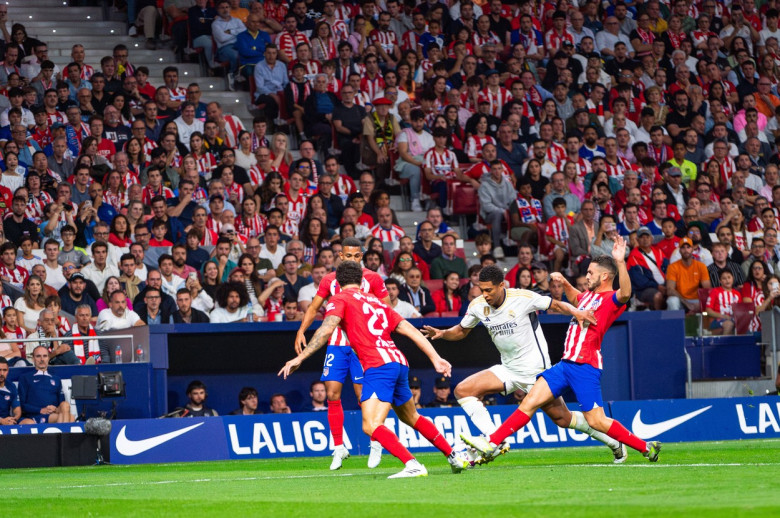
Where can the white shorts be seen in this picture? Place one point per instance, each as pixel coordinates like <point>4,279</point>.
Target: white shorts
<point>512,380</point>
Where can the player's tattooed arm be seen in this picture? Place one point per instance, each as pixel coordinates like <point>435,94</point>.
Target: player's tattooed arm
<point>441,365</point>
<point>319,339</point>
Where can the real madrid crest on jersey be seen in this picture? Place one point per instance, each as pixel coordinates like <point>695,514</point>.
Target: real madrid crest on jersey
<point>512,313</point>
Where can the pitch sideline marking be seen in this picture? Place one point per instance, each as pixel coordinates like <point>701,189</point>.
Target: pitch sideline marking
<point>330,475</point>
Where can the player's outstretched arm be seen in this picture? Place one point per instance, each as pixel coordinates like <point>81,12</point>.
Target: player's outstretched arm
<point>619,255</point>
<point>565,308</point>
<point>453,334</point>
<point>308,318</point>
<point>319,339</point>
<point>441,365</point>
<point>571,292</point>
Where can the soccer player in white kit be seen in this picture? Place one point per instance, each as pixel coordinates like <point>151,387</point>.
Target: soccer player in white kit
<point>510,317</point>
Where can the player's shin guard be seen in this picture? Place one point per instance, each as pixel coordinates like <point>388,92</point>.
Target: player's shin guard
<point>579,423</point>
<point>428,430</point>
<point>618,432</point>
<point>390,442</point>
<point>514,422</point>
<point>336,421</point>
<point>478,414</point>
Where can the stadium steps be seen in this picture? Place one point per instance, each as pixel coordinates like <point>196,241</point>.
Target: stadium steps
<point>61,26</point>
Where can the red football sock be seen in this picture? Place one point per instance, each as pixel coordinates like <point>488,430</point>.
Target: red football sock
<point>618,432</point>
<point>428,430</point>
<point>513,423</point>
<point>390,442</point>
<point>336,421</point>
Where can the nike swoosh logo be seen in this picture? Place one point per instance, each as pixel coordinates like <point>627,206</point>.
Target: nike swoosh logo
<point>130,448</point>
<point>648,431</point>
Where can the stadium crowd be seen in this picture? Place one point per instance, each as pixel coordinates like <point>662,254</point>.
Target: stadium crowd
<point>554,126</point>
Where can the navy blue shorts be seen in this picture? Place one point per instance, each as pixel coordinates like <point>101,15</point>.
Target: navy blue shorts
<point>388,383</point>
<point>583,379</point>
<point>38,418</point>
<point>341,360</point>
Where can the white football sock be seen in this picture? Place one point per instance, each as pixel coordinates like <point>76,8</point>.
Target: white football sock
<point>579,423</point>
<point>479,414</point>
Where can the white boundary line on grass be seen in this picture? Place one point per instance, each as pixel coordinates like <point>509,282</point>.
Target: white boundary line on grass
<point>376,473</point>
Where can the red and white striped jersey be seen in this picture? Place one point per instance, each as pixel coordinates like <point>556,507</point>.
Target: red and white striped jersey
<point>313,67</point>
<point>339,30</point>
<point>556,153</point>
<point>367,322</point>
<point>344,12</point>
<point>583,166</point>
<point>474,145</point>
<point>387,235</point>
<point>56,116</point>
<point>410,39</point>
<point>233,126</point>
<point>442,163</point>
<point>727,169</point>
<point>491,37</point>
<point>130,178</point>
<point>290,226</point>
<point>343,186</point>
<point>251,227</point>
<point>297,206</point>
<point>86,72</point>
<point>275,11</point>
<point>35,206</point>
<point>178,93</point>
<point>150,193</point>
<point>237,190</point>
<point>115,199</point>
<point>750,290</point>
<point>210,237</point>
<point>149,146</point>
<point>583,344</point>
<point>18,276</point>
<point>496,99</point>
<point>385,39</point>
<point>372,86</point>
<point>372,283</point>
<point>206,162</point>
<point>256,176</point>
<point>479,169</point>
<point>288,42</point>
<point>362,99</point>
<point>720,300</point>
<point>213,224</point>
<point>554,41</point>
<point>334,85</point>
<point>43,138</point>
<point>558,229</point>
<point>619,169</point>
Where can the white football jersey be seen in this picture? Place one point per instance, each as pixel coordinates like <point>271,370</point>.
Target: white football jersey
<point>515,329</point>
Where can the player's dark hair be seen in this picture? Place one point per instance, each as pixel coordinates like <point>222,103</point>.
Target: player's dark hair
<point>348,273</point>
<point>3,361</point>
<point>351,242</point>
<point>607,263</point>
<point>491,274</point>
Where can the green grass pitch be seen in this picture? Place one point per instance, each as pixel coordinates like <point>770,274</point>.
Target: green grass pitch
<point>690,479</point>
